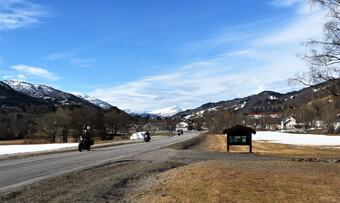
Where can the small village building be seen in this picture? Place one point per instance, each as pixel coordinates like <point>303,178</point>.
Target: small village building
<point>182,126</point>
<point>336,125</point>
<point>318,124</point>
<point>289,123</point>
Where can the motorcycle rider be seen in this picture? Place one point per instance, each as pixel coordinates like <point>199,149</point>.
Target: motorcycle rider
<point>86,139</point>
<point>147,137</point>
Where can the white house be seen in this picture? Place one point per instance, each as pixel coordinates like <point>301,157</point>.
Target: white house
<point>336,124</point>
<point>288,123</point>
<point>319,124</point>
<point>182,126</point>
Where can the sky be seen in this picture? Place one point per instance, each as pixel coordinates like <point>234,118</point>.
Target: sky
<point>150,54</point>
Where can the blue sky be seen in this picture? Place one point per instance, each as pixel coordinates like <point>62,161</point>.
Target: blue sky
<point>150,54</point>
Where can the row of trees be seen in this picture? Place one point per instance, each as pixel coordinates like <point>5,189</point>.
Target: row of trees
<point>62,121</point>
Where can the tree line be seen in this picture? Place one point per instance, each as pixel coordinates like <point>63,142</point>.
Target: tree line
<point>65,121</point>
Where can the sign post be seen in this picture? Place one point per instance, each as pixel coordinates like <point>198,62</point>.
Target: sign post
<point>239,135</point>
<point>239,140</point>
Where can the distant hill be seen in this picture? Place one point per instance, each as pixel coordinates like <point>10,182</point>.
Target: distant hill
<point>266,101</point>
<point>23,107</point>
<point>10,98</point>
<point>46,93</point>
<point>164,112</point>
<point>52,96</point>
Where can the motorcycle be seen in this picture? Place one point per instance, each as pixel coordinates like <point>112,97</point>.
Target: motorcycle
<point>147,137</point>
<point>179,132</point>
<point>85,143</point>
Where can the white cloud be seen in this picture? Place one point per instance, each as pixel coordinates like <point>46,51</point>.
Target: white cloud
<point>196,83</point>
<point>20,13</point>
<point>72,59</point>
<point>286,3</point>
<point>6,77</point>
<point>35,71</point>
<point>21,76</point>
<point>262,62</point>
<point>305,26</point>
<point>82,62</point>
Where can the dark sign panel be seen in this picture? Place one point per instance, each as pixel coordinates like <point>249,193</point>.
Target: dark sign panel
<point>239,140</point>
<point>239,135</point>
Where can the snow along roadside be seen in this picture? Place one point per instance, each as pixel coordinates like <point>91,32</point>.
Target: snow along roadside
<point>27,148</point>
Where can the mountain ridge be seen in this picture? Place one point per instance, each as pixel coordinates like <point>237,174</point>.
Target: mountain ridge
<point>265,101</point>
<point>53,95</point>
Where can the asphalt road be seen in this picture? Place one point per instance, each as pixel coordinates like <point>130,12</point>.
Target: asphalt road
<point>16,173</point>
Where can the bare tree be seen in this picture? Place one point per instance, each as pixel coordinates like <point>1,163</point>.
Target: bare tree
<point>51,122</point>
<point>116,121</point>
<point>324,55</point>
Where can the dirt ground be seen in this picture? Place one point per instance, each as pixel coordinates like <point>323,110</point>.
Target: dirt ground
<point>110,183</point>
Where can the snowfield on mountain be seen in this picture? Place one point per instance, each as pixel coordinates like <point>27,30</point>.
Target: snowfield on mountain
<point>166,112</point>
<point>49,93</point>
<point>93,100</point>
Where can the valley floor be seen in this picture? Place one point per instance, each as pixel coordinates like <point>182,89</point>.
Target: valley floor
<point>202,173</point>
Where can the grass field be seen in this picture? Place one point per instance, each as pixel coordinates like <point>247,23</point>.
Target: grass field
<point>249,181</point>
<point>239,181</point>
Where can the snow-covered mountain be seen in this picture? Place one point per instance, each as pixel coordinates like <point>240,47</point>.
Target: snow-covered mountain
<point>266,102</point>
<point>165,112</point>
<point>168,111</point>
<point>93,100</point>
<point>143,114</point>
<point>45,92</point>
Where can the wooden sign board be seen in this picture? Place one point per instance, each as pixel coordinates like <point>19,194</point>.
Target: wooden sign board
<point>239,140</point>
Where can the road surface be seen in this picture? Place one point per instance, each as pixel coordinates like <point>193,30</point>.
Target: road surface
<point>16,173</point>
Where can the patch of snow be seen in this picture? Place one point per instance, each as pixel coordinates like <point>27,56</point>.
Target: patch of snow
<point>188,116</point>
<point>272,98</point>
<point>212,109</point>
<point>200,113</point>
<point>15,149</point>
<point>297,139</point>
<point>318,89</point>
<point>93,100</point>
<point>240,106</point>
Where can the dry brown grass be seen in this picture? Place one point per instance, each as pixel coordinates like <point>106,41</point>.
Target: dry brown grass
<point>217,142</point>
<point>251,181</point>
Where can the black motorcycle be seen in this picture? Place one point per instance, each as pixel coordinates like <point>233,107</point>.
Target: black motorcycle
<point>179,132</point>
<point>85,142</point>
<point>147,137</point>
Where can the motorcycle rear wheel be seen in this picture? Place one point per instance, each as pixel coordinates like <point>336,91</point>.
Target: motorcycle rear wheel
<point>80,147</point>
